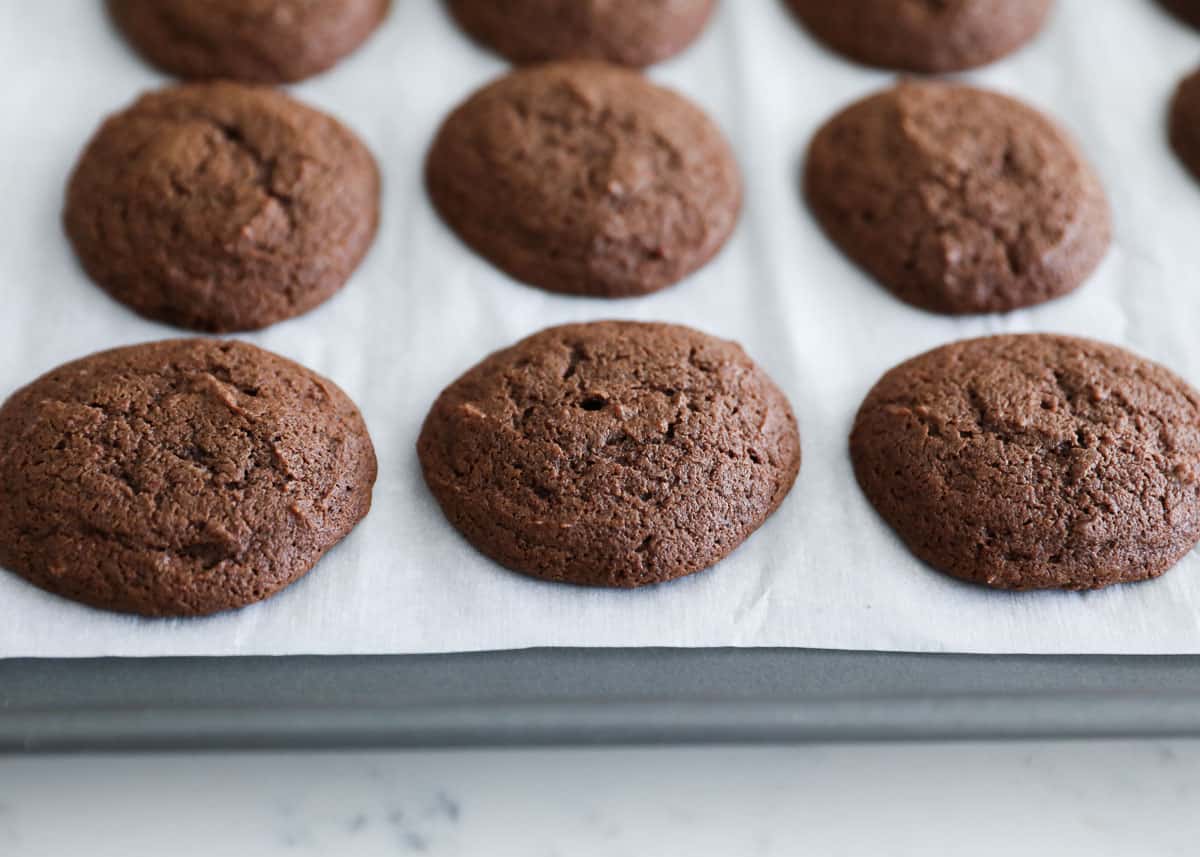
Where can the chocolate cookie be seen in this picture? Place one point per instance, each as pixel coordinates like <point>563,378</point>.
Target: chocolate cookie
<point>256,41</point>
<point>956,199</point>
<point>611,454</point>
<point>222,206</point>
<point>1187,11</point>
<point>585,178</point>
<point>178,478</point>
<point>635,33</point>
<point>920,35</point>
<point>1184,124</point>
<point>1034,462</point>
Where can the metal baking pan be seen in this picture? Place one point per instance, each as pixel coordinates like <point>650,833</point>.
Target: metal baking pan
<point>602,696</point>
<point>587,697</point>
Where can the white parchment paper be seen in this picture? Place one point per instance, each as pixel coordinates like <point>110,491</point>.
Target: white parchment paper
<point>824,571</point>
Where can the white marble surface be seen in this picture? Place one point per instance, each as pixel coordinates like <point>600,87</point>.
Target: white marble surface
<point>1062,799</point>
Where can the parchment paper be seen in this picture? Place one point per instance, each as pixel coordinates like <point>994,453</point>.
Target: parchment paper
<point>824,571</point>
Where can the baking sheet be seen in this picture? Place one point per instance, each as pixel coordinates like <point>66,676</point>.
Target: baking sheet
<point>588,696</point>
<point>824,571</point>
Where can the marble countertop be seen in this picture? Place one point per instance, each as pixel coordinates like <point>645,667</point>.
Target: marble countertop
<point>1083,798</point>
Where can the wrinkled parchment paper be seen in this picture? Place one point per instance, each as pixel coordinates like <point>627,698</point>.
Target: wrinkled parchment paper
<point>824,571</point>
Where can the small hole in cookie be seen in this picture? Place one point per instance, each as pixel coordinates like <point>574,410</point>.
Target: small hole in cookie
<point>593,403</point>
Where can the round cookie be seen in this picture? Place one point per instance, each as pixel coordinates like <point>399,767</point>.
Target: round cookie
<point>1184,123</point>
<point>635,33</point>
<point>1187,11</point>
<point>1034,461</point>
<point>956,199</point>
<point>613,454</point>
<point>923,36</point>
<point>178,478</point>
<point>585,178</point>
<point>222,206</point>
<point>256,41</point>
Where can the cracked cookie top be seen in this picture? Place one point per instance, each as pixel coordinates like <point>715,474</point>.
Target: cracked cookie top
<point>613,454</point>
<point>178,478</point>
<point>956,199</point>
<point>635,33</point>
<point>222,207</point>
<point>585,178</point>
<point>1034,461</point>
<point>255,41</point>
<point>923,35</point>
